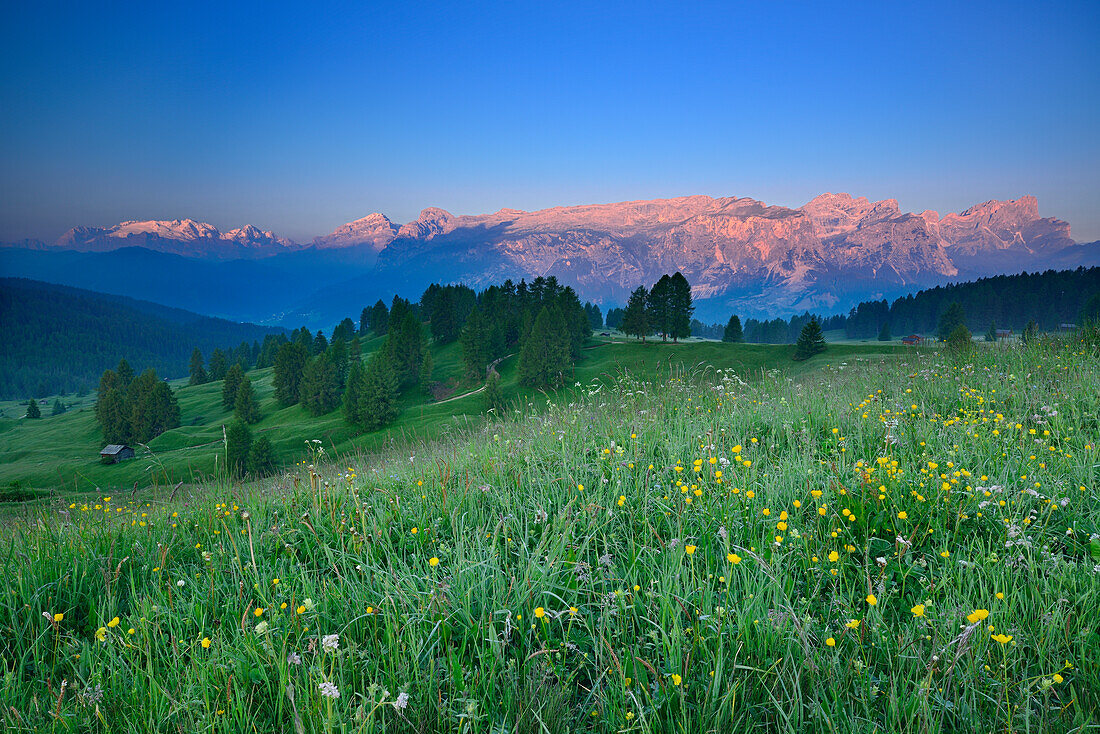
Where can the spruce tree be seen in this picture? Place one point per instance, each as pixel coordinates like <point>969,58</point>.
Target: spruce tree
<point>427,364</point>
<point>680,307</point>
<point>494,398</point>
<point>232,382</point>
<point>544,355</point>
<point>810,342</point>
<point>125,373</point>
<point>238,442</point>
<point>405,345</point>
<point>290,361</point>
<point>1090,312</point>
<point>33,410</point>
<point>320,389</point>
<point>733,333</point>
<point>364,322</point>
<point>659,307</point>
<point>1031,332</point>
<point>475,344</point>
<point>635,317</point>
<point>353,392</point>
<point>58,407</point>
<point>884,332</point>
<point>218,365</point>
<point>320,343</point>
<point>378,400</point>
<point>355,350</point>
<point>959,341</point>
<point>245,407</point>
<point>198,372</point>
<point>379,318</point>
<point>991,335</point>
<point>952,318</point>
<point>261,457</point>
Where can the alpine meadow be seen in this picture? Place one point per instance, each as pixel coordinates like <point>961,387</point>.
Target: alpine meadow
<point>514,368</point>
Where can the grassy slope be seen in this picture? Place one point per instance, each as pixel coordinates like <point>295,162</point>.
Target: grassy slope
<point>590,580</point>
<point>61,452</point>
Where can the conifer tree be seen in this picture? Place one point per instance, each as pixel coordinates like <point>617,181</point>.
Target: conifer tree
<point>494,398</point>
<point>232,382</point>
<point>355,350</point>
<point>245,407</point>
<point>32,410</point>
<point>427,364</point>
<point>635,316</point>
<point>405,345</point>
<point>320,343</point>
<point>353,392</point>
<point>733,333</point>
<point>952,318</point>
<point>320,387</point>
<point>125,374</point>
<point>991,335</point>
<point>58,407</point>
<point>364,321</point>
<point>544,356</point>
<point>379,318</point>
<point>680,307</point>
<point>659,307</point>
<point>290,361</point>
<point>261,457</point>
<point>810,342</point>
<point>238,442</point>
<point>1031,332</point>
<point>218,365</point>
<point>475,344</point>
<point>959,341</point>
<point>198,372</point>
<point>378,400</point>
<point>884,332</point>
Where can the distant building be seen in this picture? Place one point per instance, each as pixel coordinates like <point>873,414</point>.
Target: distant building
<point>1067,327</point>
<point>1004,333</point>
<point>115,453</point>
<point>913,340</point>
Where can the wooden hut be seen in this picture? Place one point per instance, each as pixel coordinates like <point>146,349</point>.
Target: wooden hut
<point>115,453</point>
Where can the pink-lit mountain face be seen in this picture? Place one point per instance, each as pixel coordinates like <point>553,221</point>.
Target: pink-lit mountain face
<point>739,254</point>
<point>179,237</point>
<point>735,249</point>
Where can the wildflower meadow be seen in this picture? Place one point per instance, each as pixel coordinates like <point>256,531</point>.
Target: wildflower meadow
<point>905,543</point>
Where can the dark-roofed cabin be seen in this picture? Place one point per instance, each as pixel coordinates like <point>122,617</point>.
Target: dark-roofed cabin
<point>1004,333</point>
<point>912,340</point>
<point>115,453</point>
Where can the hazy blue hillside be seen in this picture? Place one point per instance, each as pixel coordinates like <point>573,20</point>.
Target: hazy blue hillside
<point>61,338</point>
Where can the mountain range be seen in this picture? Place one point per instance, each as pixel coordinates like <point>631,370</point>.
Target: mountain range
<point>740,255</point>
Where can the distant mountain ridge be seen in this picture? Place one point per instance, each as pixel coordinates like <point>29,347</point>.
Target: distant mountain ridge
<point>740,254</point>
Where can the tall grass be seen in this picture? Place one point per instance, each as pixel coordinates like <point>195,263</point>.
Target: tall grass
<point>693,554</point>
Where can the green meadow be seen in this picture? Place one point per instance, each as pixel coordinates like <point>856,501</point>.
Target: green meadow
<point>61,452</point>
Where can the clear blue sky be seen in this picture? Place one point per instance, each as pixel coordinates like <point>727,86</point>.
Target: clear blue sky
<point>298,117</point>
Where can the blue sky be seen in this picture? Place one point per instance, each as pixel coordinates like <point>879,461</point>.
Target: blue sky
<point>298,118</point>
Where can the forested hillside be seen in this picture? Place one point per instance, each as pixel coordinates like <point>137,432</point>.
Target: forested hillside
<point>60,339</point>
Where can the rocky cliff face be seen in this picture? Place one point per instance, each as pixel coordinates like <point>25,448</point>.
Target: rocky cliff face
<point>738,250</point>
<point>738,253</point>
<point>178,237</point>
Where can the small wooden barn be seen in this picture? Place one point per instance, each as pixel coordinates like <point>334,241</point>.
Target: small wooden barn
<point>912,340</point>
<point>115,453</point>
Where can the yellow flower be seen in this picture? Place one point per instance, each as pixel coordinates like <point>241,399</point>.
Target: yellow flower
<point>415,531</point>
<point>830,642</point>
<point>733,558</point>
<point>977,615</point>
<point>852,624</point>
<point>259,611</point>
<point>205,642</point>
<point>114,622</point>
<point>902,515</point>
<point>945,554</point>
<point>918,610</point>
<point>274,582</point>
<point>676,679</point>
<point>1003,639</point>
<point>833,556</point>
<point>872,600</point>
<point>540,612</point>
<point>1058,678</point>
<point>301,610</point>
<point>370,610</point>
<point>101,634</point>
<point>433,561</point>
<point>689,549</point>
